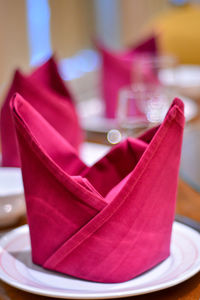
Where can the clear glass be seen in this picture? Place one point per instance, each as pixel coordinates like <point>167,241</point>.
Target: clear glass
<point>141,106</point>
<point>145,102</point>
<point>149,68</point>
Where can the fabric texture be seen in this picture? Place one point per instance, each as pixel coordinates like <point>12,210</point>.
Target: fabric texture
<point>46,92</point>
<point>117,72</point>
<point>105,223</point>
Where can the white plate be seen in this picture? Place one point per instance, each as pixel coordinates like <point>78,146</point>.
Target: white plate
<point>12,204</point>
<point>10,182</point>
<point>17,269</point>
<point>91,115</point>
<point>182,76</point>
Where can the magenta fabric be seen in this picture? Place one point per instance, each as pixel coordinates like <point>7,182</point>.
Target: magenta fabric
<point>147,46</point>
<point>117,72</point>
<point>105,223</point>
<point>46,92</point>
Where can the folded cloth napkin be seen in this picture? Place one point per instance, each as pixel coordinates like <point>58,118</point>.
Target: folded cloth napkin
<point>117,72</point>
<point>46,92</point>
<point>105,223</point>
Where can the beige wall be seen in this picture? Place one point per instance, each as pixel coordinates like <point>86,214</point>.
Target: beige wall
<point>14,50</point>
<point>72,28</point>
<point>72,25</point>
<point>135,15</point>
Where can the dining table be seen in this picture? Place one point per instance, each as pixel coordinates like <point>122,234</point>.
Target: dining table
<point>188,205</point>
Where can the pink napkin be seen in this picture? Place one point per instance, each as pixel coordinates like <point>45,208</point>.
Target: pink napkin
<point>46,92</point>
<point>117,72</point>
<point>105,223</point>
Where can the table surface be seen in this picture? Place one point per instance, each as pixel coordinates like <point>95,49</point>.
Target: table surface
<point>188,204</point>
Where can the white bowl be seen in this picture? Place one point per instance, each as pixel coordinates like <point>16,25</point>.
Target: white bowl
<point>12,205</point>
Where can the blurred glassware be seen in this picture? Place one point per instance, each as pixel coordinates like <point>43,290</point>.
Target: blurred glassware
<point>90,105</point>
<point>150,99</point>
<point>146,97</point>
<point>92,119</point>
<point>146,68</point>
<point>153,101</point>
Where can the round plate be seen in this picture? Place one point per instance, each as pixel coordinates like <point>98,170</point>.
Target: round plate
<point>17,269</point>
<point>182,76</point>
<point>12,204</point>
<point>92,119</point>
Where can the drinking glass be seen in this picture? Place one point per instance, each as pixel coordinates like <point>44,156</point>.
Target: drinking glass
<point>147,68</point>
<point>141,106</point>
<point>145,101</point>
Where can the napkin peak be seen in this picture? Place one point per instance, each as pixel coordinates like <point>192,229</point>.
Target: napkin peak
<point>49,75</point>
<point>46,92</point>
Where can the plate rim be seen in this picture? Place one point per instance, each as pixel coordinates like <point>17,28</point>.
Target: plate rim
<point>99,294</point>
<point>184,68</point>
<point>110,123</point>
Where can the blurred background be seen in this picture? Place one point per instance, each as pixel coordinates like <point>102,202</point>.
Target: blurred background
<point>31,30</point>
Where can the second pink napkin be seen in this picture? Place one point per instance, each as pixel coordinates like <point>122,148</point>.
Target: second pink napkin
<point>117,72</point>
<point>47,93</point>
